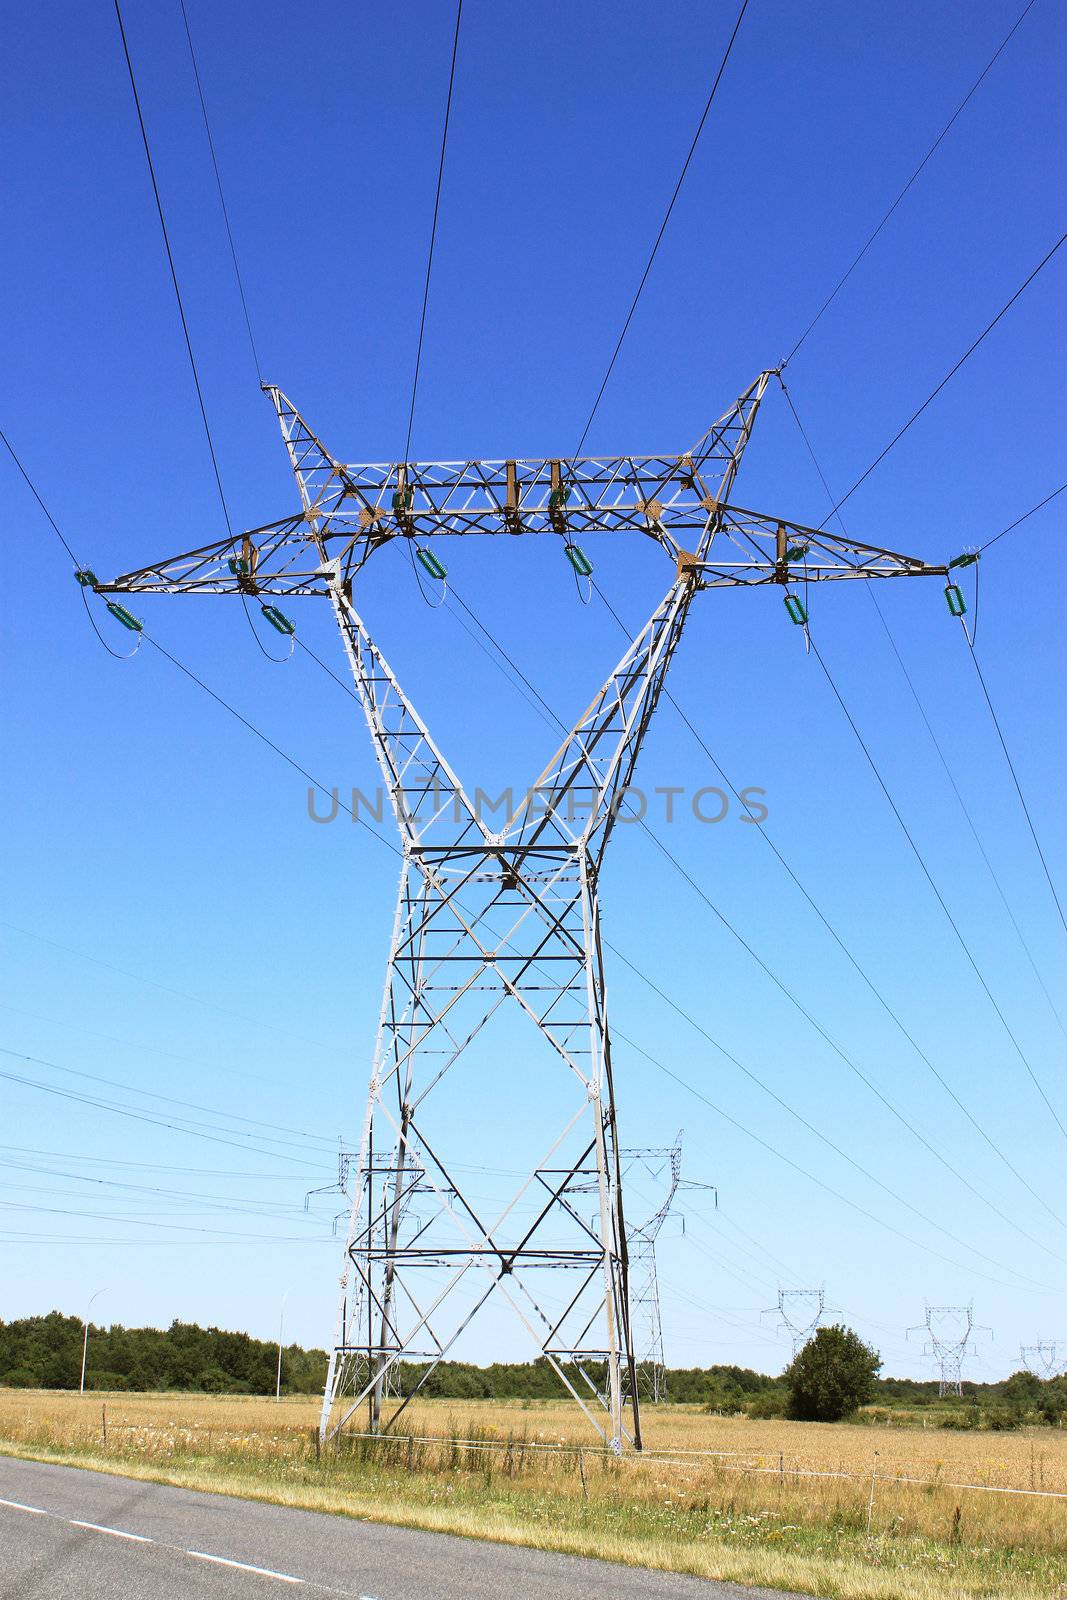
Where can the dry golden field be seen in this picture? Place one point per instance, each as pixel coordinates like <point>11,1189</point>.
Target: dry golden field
<point>781,1503</point>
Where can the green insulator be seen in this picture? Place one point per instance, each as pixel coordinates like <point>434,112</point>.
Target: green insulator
<point>278,619</point>
<point>796,552</point>
<point>403,499</point>
<point>429,562</point>
<point>559,497</point>
<point>238,566</point>
<point>578,560</point>
<point>957,605</point>
<point>122,615</point>
<point>86,578</point>
<point>968,559</point>
<point>795,607</point>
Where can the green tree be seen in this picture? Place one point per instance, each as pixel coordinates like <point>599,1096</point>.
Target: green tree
<point>832,1376</point>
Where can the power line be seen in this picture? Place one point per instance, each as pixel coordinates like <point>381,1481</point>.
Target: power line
<point>829,1040</point>
<point>269,742</point>
<point>928,725</point>
<point>194,1131</point>
<point>433,231</point>
<point>835,511</point>
<point>9,447</point>
<point>663,226</point>
<point>279,751</point>
<point>798,1116</point>
<point>135,1222</point>
<point>853,1205</point>
<point>222,197</point>
<point>941,901</point>
<point>868,981</point>
<point>729,1056</point>
<point>853,1067</point>
<point>229,1203</point>
<point>75,1026</point>
<point>967,815</point>
<point>146,1166</point>
<point>1005,308</point>
<point>189,1105</point>
<point>1011,525</point>
<point>1015,777</point>
<point>173,271</point>
<point>137,977</point>
<point>832,296</point>
<point>615,950</point>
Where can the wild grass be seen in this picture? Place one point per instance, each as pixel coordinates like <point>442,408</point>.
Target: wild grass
<point>750,1511</point>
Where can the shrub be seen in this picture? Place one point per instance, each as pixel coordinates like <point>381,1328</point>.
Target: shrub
<point>832,1376</point>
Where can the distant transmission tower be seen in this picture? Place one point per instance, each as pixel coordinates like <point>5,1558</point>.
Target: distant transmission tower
<point>799,1313</point>
<point>949,1329</point>
<point>493,1033</point>
<point>645,1312</point>
<point>1045,1359</point>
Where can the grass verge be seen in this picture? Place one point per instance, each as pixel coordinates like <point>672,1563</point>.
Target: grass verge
<point>709,1534</point>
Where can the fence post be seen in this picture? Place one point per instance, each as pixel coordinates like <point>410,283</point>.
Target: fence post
<point>581,1469</point>
<point>870,1502</point>
<point>103,1418</point>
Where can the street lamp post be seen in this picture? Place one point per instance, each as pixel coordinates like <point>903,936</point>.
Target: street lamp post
<point>85,1336</point>
<point>281,1325</point>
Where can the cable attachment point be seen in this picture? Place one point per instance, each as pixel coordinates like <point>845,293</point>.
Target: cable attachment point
<point>403,500</point>
<point>87,578</point>
<point>558,495</point>
<point>243,566</point>
<point>968,559</point>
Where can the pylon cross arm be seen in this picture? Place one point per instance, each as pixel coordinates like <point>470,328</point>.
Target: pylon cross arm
<point>682,502</point>
<point>718,546</point>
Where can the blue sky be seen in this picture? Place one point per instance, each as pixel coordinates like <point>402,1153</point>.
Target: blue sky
<point>172,920</point>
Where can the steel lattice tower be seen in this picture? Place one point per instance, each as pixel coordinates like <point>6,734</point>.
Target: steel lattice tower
<point>506,916</point>
<point>949,1329</point>
<point>800,1312</point>
<point>1046,1359</point>
<point>647,1318</point>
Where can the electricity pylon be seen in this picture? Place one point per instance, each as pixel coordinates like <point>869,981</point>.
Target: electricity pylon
<point>502,922</point>
<point>949,1329</point>
<point>799,1313</point>
<point>645,1313</point>
<point>1045,1359</point>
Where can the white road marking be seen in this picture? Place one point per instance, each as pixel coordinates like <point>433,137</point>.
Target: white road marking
<point>201,1555</point>
<point>243,1566</point>
<point>118,1533</point>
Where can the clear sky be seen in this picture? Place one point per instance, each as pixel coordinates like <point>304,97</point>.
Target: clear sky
<point>173,922</point>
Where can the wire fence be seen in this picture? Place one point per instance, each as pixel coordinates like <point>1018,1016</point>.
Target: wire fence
<point>726,1461</point>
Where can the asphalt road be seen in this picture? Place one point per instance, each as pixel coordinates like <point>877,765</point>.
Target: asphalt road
<point>65,1531</point>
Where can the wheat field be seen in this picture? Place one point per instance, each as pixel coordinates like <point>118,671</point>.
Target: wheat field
<point>823,1509</point>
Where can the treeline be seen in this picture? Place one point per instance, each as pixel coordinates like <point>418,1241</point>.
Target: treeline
<point>46,1353</point>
